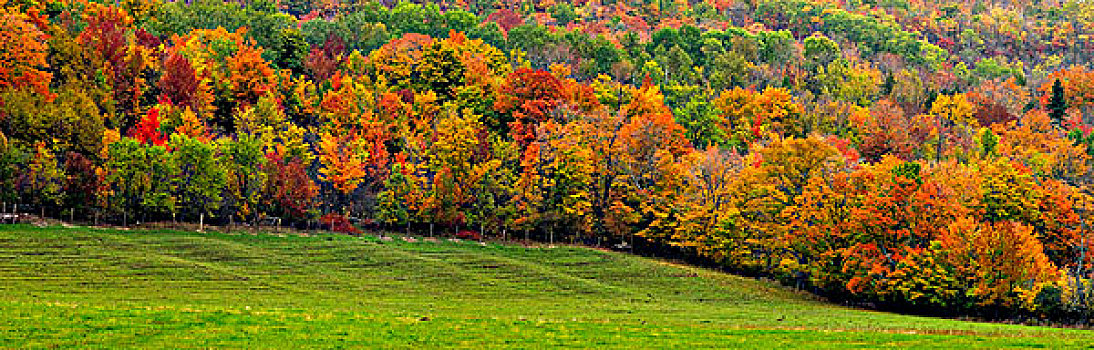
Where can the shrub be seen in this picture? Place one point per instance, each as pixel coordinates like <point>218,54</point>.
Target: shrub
<point>338,223</point>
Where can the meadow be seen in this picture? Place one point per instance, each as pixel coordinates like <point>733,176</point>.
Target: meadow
<point>89,287</point>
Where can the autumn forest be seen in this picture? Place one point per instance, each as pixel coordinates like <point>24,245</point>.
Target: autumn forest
<point>926,156</point>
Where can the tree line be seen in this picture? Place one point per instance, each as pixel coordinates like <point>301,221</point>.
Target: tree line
<point>867,170</point>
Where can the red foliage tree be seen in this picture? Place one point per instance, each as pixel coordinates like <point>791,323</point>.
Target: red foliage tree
<point>180,81</point>
<point>989,114</point>
<point>147,130</point>
<point>530,96</point>
<point>82,182</point>
<point>324,61</point>
<point>107,35</point>
<point>506,19</point>
<point>289,189</point>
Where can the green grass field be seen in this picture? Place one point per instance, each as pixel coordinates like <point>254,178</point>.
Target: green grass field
<point>83,287</point>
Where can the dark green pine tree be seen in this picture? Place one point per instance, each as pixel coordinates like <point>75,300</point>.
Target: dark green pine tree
<point>1057,106</point>
<point>887,87</point>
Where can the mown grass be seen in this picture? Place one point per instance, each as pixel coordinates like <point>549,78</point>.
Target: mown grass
<point>86,287</point>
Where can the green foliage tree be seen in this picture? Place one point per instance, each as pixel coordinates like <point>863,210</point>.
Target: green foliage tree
<point>72,122</point>
<point>564,13</point>
<point>395,202</point>
<point>261,17</point>
<point>290,50</point>
<point>1057,105</point>
<point>459,21</point>
<point>10,163</point>
<point>138,179</point>
<point>820,50</point>
<point>409,17</point>
<point>245,179</point>
<point>199,177</point>
<point>45,178</point>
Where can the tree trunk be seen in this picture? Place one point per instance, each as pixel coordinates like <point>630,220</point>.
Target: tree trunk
<point>430,229</point>
<point>201,222</point>
<point>1082,256</point>
<point>941,139</point>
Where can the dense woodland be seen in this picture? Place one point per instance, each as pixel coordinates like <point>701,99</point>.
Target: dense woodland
<point>923,155</point>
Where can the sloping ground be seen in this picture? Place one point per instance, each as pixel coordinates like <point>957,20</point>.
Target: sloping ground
<point>79,287</point>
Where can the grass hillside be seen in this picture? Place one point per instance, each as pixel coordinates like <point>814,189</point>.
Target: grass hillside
<point>80,287</point>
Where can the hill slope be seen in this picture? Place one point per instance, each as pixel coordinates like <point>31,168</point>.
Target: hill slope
<point>78,287</point>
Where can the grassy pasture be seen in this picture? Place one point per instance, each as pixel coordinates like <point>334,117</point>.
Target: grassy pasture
<point>87,287</point>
